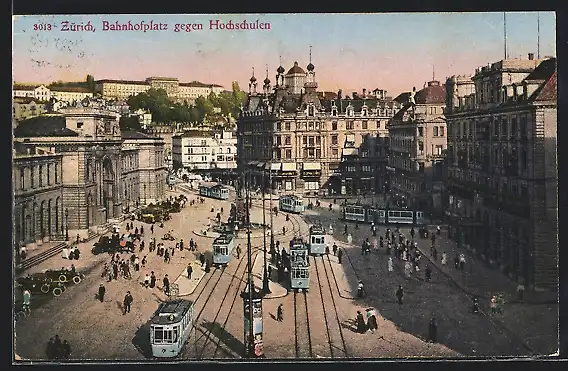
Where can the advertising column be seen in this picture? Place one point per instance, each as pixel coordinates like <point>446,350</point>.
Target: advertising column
<point>257,347</point>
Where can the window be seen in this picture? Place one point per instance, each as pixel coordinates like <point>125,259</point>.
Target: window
<point>310,126</point>
<point>311,141</point>
<point>334,125</point>
<point>79,125</point>
<point>366,168</point>
<point>514,127</point>
<point>305,140</point>
<point>420,132</point>
<point>287,140</point>
<point>524,158</point>
<point>378,124</point>
<point>32,177</point>
<point>23,178</point>
<point>441,131</point>
<point>278,126</point>
<point>504,127</point>
<point>318,141</point>
<point>335,152</point>
<point>56,174</point>
<point>40,175</point>
<point>349,125</point>
<point>334,140</point>
<point>334,111</point>
<point>420,146</point>
<point>287,125</point>
<point>523,127</point>
<point>364,125</point>
<point>439,149</point>
<point>288,153</point>
<point>435,131</point>
<point>278,140</point>
<point>496,127</point>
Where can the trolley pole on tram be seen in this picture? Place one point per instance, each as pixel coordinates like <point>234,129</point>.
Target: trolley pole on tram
<point>265,286</point>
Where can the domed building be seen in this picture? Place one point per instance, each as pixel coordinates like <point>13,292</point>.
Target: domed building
<point>295,79</point>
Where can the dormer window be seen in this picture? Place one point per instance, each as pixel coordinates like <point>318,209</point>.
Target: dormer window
<point>364,111</point>
<point>350,111</point>
<point>311,110</point>
<point>334,111</point>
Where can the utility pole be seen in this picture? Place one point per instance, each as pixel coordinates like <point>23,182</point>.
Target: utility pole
<point>265,286</point>
<point>272,252</point>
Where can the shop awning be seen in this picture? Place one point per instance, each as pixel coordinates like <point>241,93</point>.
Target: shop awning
<point>276,166</point>
<point>289,166</point>
<point>350,152</point>
<point>312,166</point>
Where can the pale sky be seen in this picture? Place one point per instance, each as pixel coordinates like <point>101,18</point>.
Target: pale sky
<point>393,51</point>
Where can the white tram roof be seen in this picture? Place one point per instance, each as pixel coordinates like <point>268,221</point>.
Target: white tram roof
<point>298,244</point>
<point>223,239</point>
<point>211,185</point>
<point>317,229</point>
<point>291,197</point>
<point>171,311</point>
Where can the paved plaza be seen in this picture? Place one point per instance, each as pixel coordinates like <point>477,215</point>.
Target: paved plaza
<point>100,330</point>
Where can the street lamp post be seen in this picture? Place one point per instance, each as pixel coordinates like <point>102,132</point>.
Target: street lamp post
<point>265,286</point>
<point>66,224</point>
<point>272,252</point>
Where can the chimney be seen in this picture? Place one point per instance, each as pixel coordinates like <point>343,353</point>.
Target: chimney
<point>364,92</point>
<point>531,56</point>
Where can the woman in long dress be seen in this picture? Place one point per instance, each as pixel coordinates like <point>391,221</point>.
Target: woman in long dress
<point>390,264</point>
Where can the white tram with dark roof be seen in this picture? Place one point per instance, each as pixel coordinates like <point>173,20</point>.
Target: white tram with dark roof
<point>223,249</point>
<point>299,265</point>
<point>370,214</point>
<point>214,190</point>
<point>170,327</point>
<point>317,240</point>
<point>291,204</point>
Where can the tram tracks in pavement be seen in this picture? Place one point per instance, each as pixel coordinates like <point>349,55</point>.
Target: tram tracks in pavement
<point>337,347</point>
<point>302,334</point>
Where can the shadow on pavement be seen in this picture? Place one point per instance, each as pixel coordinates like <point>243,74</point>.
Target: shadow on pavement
<point>141,340</point>
<point>216,330</point>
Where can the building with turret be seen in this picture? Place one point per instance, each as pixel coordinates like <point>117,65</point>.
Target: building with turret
<point>502,167</point>
<point>313,143</point>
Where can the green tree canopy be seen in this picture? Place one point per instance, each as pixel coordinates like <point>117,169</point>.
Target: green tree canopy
<point>129,123</point>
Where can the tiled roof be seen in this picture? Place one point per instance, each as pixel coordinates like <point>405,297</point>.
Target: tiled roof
<point>434,93</point>
<point>548,90</point>
<point>131,134</point>
<point>198,84</point>
<point>24,87</point>
<point>195,134</point>
<point>296,69</point>
<point>543,71</point>
<point>131,82</point>
<point>26,100</point>
<point>70,89</point>
<point>43,126</point>
<point>403,97</point>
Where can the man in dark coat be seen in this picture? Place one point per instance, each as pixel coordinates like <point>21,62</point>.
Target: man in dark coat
<point>433,330</point>
<point>152,279</point>
<point>166,282</point>
<point>361,325</point>
<point>280,313</point>
<point>102,291</point>
<point>339,255</point>
<point>399,294</point>
<point>334,249</point>
<point>189,270</point>
<point>202,259</point>
<point>207,266</point>
<point>127,302</point>
<point>152,228</point>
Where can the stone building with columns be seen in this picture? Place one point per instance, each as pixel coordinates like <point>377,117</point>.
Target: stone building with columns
<point>74,171</point>
<point>311,143</point>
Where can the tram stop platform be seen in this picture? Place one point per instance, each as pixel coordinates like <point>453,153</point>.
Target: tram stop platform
<point>276,290</point>
<point>187,286</point>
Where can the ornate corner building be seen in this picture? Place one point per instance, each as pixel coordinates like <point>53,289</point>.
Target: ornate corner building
<point>314,143</point>
<point>74,171</point>
<point>502,167</point>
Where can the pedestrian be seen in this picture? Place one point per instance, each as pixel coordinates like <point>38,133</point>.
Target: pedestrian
<point>136,264</point>
<point>390,264</point>
<point>115,270</point>
<point>399,294</point>
<point>284,229</point>
<point>457,261</point>
<point>127,302</point>
<point>438,230</point>
<point>326,249</point>
<point>207,266</point>
<point>166,282</point>
<point>142,230</point>
<point>520,291</point>
<point>500,300</point>
<point>181,245</point>
<point>345,230</point>
<point>493,304</point>
<point>102,291</point>
<point>361,325</point>
<point>152,280</point>
<point>462,262</point>
<point>65,349</point>
<point>334,249</point>
<point>280,313</point>
<point>435,253</point>
<point>57,347</point>
<point>412,233</point>
<point>349,239</point>
<point>238,251</point>
<point>444,258</point>
<point>136,231</point>
<point>433,238</point>
<point>146,280</point>
<point>432,330</point>
<point>339,255</point>
<point>50,349</point>
<point>144,260</point>
<point>166,256</point>
<point>371,320</point>
<point>202,259</point>
<point>428,273</point>
<point>152,228</point>
<point>189,270</point>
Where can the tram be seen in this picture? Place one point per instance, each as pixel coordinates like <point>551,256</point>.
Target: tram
<point>299,265</point>
<point>223,249</point>
<point>370,214</point>
<point>217,191</point>
<point>291,204</point>
<point>170,327</point>
<point>171,179</point>
<point>317,240</point>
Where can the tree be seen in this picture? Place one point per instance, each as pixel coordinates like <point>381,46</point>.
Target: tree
<point>127,123</point>
<point>90,83</point>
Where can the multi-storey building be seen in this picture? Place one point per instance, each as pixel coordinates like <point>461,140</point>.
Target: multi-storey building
<point>204,151</point>
<point>190,91</point>
<point>24,107</point>
<point>75,171</point>
<point>308,142</point>
<point>502,167</point>
<point>45,94</point>
<point>418,141</point>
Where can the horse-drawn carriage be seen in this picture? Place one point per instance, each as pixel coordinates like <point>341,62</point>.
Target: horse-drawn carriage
<point>49,281</point>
